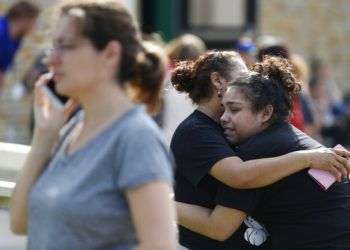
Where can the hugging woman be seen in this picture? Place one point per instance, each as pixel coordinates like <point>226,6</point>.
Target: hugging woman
<point>296,212</point>
<point>205,160</point>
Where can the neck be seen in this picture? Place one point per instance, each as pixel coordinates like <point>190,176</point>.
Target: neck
<point>212,108</point>
<point>104,103</point>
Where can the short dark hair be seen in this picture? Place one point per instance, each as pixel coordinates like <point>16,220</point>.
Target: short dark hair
<point>22,9</point>
<point>278,50</point>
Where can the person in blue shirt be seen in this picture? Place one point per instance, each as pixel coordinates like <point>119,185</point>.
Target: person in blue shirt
<point>14,26</point>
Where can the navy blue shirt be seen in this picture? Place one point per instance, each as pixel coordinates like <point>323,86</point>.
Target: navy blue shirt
<point>8,46</point>
<point>298,214</point>
<point>197,144</point>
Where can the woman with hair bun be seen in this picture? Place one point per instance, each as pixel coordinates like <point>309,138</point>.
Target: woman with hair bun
<point>295,211</point>
<point>104,181</point>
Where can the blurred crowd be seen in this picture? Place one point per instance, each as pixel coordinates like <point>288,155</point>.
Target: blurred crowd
<point>322,110</point>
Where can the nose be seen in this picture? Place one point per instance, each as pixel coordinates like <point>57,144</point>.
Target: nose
<point>51,58</point>
<point>224,118</point>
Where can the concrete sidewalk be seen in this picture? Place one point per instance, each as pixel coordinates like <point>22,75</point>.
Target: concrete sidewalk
<point>9,241</point>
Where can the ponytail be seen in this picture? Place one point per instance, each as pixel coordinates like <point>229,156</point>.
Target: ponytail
<point>149,74</point>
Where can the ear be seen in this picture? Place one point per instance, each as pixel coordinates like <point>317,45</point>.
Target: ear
<point>266,113</point>
<point>215,79</point>
<point>112,53</point>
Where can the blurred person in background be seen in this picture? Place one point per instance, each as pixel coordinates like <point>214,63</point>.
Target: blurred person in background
<point>156,39</point>
<point>185,47</point>
<point>205,160</point>
<point>301,72</point>
<point>346,118</point>
<point>246,48</point>
<point>17,22</point>
<point>104,180</point>
<point>328,103</point>
<point>177,106</point>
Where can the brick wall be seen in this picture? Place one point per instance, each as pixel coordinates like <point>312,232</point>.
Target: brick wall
<point>313,28</point>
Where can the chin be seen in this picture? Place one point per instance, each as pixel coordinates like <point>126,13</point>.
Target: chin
<point>231,141</point>
<point>60,91</point>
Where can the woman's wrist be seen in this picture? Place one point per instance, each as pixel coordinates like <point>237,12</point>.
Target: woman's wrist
<point>303,157</point>
<point>43,140</point>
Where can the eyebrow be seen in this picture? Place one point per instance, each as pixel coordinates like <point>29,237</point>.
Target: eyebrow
<point>233,103</point>
<point>61,39</point>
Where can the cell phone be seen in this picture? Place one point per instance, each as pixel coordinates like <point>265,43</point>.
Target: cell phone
<point>51,85</point>
<point>324,178</point>
<point>57,99</point>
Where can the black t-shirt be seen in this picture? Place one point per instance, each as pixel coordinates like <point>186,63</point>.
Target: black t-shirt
<point>296,211</point>
<point>197,144</point>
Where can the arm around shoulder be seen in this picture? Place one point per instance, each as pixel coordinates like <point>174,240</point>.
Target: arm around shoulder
<point>236,173</point>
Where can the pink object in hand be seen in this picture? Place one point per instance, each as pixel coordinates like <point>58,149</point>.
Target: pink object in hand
<point>324,178</point>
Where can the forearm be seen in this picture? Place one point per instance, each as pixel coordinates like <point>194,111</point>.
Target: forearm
<point>195,218</point>
<point>32,168</point>
<point>263,172</point>
<point>218,223</point>
<point>258,173</point>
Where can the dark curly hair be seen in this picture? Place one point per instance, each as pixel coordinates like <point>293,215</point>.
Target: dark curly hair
<point>193,77</point>
<point>271,82</point>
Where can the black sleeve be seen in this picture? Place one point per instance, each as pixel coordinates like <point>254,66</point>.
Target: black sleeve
<point>196,151</point>
<point>245,200</point>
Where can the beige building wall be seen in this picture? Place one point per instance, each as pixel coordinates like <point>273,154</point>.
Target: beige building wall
<point>313,28</point>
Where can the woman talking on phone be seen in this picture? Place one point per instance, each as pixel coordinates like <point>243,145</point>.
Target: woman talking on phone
<point>102,182</point>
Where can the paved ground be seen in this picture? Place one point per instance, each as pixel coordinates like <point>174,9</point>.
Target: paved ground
<point>9,241</point>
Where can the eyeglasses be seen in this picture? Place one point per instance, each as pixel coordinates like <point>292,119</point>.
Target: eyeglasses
<point>60,48</point>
